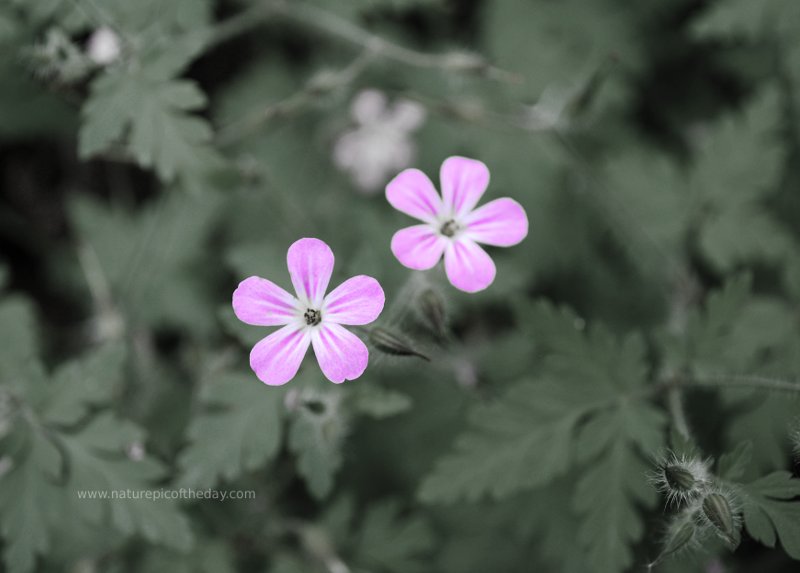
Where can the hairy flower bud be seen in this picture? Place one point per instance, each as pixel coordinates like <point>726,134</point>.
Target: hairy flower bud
<point>681,478</point>
<point>390,343</point>
<point>682,534</point>
<point>717,509</point>
<point>432,310</point>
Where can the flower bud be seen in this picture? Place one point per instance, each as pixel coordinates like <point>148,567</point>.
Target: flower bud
<point>103,47</point>
<point>681,478</point>
<point>390,343</point>
<point>432,310</point>
<point>717,510</point>
<point>680,536</point>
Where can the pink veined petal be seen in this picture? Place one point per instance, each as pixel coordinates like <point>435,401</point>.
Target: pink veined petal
<point>276,358</point>
<point>340,353</point>
<point>310,264</point>
<point>500,223</point>
<point>358,300</point>
<point>468,266</point>
<point>412,193</point>
<point>463,183</point>
<point>261,302</point>
<point>419,247</point>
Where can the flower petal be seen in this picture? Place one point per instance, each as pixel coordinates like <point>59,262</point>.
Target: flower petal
<point>468,266</point>
<point>412,193</point>
<point>419,247</point>
<point>261,302</point>
<point>358,300</point>
<point>463,183</point>
<point>500,223</point>
<point>340,353</point>
<point>310,264</point>
<point>276,358</point>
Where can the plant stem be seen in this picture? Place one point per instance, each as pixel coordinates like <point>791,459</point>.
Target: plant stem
<point>677,412</point>
<point>754,382</point>
<point>323,83</point>
<point>338,27</point>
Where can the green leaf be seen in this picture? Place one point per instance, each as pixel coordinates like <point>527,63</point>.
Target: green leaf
<point>393,542</point>
<point>237,409</point>
<point>209,556</point>
<point>654,204</point>
<point>97,464</point>
<point>729,19</point>
<point>705,344</point>
<point>522,441</point>
<point>737,166</point>
<point>81,384</point>
<point>731,466</point>
<point>29,502</point>
<point>19,334</point>
<point>768,516</point>
<point>584,410</point>
<point>156,116</point>
<point>613,485</point>
<point>151,259</point>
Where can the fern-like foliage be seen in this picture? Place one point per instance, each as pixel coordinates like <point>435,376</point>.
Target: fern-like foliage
<point>586,409</point>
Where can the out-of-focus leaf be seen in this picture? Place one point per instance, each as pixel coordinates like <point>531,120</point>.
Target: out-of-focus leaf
<point>235,409</point>
<point>769,516</point>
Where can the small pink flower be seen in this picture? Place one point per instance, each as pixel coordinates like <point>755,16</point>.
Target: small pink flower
<point>311,318</point>
<point>452,226</point>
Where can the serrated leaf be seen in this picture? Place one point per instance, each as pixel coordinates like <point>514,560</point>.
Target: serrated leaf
<point>392,542</point>
<point>29,500</point>
<point>237,410</point>
<point>97,464</point>
<point>81,384</point>
<point>156,115</point>
<point>768,516</point>
<point>584,411</point>
<point>520,442</point>
<point>745,233</point>
<point>528,437</point>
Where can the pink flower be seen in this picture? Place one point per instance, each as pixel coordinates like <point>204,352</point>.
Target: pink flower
<point>451,224</point>
<point>311,318</point>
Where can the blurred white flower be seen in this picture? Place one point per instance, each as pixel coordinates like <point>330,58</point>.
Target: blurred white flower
<point>103,47</point>
<point>136,451</point>
<point>380,144</point>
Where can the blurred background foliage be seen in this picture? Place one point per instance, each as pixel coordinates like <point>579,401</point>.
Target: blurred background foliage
<point>154,153</point>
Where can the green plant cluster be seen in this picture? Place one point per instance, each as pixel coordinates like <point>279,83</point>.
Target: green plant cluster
<point>652,313</point>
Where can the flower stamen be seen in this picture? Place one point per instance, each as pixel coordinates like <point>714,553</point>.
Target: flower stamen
<point>449,228</point>
<point>313,317</point>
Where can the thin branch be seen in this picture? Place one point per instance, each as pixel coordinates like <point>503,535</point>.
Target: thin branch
<point>677,412</point>
<point>333,25</point>
<point>323,83</point>
<point>754,382</point>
